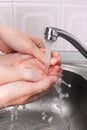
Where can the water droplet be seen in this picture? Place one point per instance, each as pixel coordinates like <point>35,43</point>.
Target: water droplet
<point>14,116</point>
<point>50,119</point>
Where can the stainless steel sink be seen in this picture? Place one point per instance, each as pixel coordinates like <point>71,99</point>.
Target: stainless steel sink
<point>46,114</point>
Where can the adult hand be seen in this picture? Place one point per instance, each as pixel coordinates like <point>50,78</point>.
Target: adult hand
<point>22,92</point>
<point>16,67</point>
<point>12,39</point>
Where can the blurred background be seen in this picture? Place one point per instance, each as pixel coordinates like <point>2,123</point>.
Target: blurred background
<point>33,16</point>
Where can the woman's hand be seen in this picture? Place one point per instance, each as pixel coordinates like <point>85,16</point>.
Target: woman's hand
<point>13,40</point>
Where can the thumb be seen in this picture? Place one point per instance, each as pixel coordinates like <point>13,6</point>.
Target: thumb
<point>38,53</point>
<point>45,84</point>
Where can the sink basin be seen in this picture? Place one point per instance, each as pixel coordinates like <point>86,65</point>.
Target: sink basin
<point>47,114</point>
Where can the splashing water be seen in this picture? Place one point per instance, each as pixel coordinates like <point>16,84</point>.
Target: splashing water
<point>61,96</point>
<point>58,88</point>
<point>60,81</point>
<point>14,116</point>
<point>50,119</point>
<point>44,115</point>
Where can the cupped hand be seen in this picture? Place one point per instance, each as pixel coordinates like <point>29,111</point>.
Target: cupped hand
<point>20,92</point>
<point>24,91</point>
<point>16,67</point>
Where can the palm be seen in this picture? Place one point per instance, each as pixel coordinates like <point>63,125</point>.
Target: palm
<point>21,92</point>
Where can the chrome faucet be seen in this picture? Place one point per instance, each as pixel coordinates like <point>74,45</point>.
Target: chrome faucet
<point>51,34</point>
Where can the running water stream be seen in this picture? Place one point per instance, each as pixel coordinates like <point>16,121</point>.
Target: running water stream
<point>48,52</point>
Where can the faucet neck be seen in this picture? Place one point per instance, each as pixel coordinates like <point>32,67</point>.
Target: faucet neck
<point>52,34</point>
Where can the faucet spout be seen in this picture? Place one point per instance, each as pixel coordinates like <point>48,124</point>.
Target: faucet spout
<point>51,34</point>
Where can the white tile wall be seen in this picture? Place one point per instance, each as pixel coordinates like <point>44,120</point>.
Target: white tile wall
<point>74,20</point>
<point>6,13</point>
<point>38,1</point>
<point>74,1</point>
<point>5,0</point>
<point>32,16</point>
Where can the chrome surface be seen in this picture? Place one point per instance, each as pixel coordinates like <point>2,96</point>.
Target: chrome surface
<point>45,114</point>
<point>51,34</point>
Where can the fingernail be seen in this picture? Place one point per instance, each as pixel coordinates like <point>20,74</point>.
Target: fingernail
<point>53,60</point>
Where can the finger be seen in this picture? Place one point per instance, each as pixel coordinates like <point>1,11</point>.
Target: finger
<point>30,48</point>
<point>24,100</point>
<point>13,59</point>
<point>34,62</point>
<point>45,84</point>
<point>31,75</point>
<point>55,54</point>
<point>28,99</point>
<point>34,98</point>
<point>30,89</point>
<point>55,61</point>
<point>40,55</point>
<point>4,48</point>
<point>37,96</point>
<point>19,101</point>
<point>41,66</point>
<point>13,94</point>
<point>17,73</point>
<point>38,42</point>
<point>55,70</point>
<point>20,90</point>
